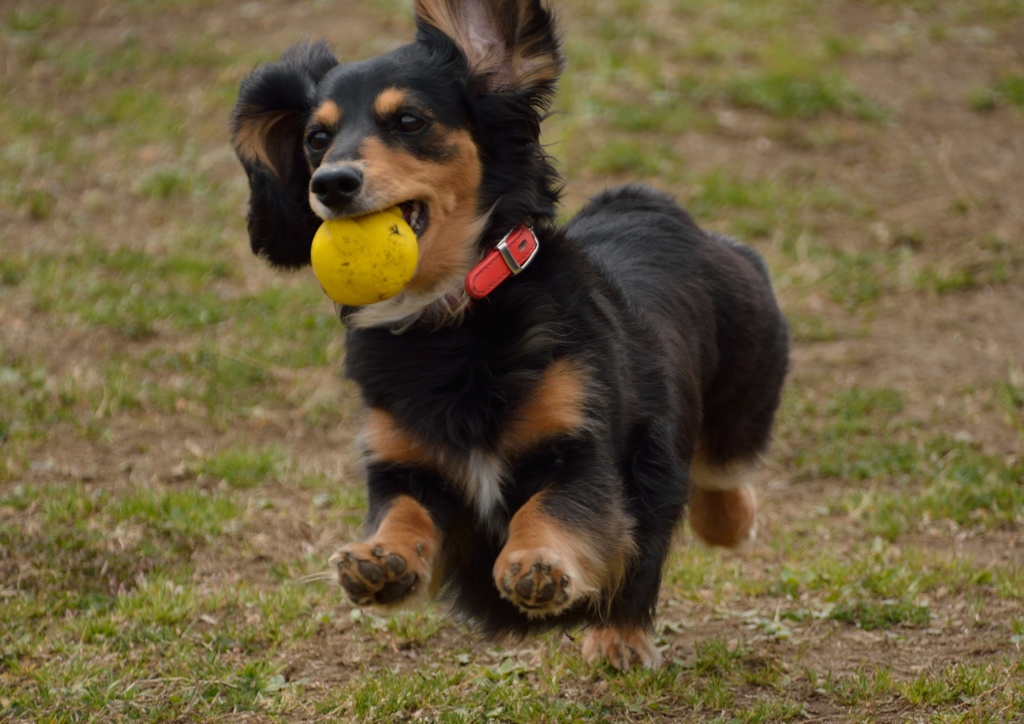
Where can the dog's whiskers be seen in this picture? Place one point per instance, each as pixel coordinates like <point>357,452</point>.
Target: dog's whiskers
<point>318,576</point>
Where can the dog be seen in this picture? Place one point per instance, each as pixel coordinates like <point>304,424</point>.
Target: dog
<point>543,405</point>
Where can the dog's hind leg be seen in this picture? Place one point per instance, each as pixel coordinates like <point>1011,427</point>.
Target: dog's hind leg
<point>723,506</point>
<point>621,647</point>
<point>624,634</point>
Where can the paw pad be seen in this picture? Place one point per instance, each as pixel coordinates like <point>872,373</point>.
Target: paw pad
<point>373,575</point>
<point>539,588</point>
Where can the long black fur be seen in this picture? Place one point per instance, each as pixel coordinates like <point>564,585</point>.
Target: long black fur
<point>679,328</point>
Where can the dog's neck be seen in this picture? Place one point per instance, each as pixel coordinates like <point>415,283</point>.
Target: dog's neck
<point>449,305</point>
<point>404,311</point>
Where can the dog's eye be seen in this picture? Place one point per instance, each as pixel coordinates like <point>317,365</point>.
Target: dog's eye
<point>409,123</point>
<point>318,140</point>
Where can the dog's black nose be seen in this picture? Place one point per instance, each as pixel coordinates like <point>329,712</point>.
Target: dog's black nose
<point>336,186</point>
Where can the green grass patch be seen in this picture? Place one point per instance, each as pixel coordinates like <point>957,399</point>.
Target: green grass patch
<point>131,290</point>
<point>977,691</point>
<point>103,618</point>
<point>860,436</point>
<point>28,20</point>
<point>246,467</point>
<point>985,261</point>
<point>34,401</point>
<point>871,615</point>
<point>1011,89</point>
<point>628,157</point>
<point>187,517</point>
<point>801,95</point>
<point>954,482</point>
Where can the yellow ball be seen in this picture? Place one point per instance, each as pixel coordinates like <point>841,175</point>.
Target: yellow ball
<point>366,259</point>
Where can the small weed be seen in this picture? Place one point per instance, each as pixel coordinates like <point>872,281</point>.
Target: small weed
<point>811,328</point>
<point>35,399</point>
<point>947,279</point>
<point>717,658</point>
<point>863,686</point>
<point>164,183</point>
<point>12,272</point>
<point>1017,632</point>
<point>983,100</point>
<point>1010,395</point>
<point>764,672</point>
<point>870,615</point>
<point>1011,88</point>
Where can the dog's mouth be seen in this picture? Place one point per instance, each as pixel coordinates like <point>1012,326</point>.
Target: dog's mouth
<point>415,215</point>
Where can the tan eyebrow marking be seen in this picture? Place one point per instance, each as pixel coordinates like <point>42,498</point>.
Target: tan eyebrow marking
<point>328,115</point>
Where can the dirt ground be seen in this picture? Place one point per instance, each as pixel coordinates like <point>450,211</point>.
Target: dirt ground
<point>939,178</point>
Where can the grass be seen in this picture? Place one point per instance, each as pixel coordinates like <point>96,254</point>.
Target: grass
<point>801,95</point>
<point>245,467</point>
<point>177,451</point>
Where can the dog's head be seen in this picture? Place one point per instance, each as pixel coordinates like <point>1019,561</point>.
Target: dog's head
<point>447,127</point>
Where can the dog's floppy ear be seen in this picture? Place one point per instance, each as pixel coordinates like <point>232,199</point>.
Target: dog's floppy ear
<point>511,45</point>
<point>267,131</point>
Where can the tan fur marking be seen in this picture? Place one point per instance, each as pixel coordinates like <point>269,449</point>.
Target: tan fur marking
<point>723,506</point>
<point>723,517</point>
<point>406,534</point>
<point>717,477</point>
<point>328,115</point>
<point>621,647</point>
<point>555,407</point>
<point>450,191</point>
<point>536,539</point>
<point>253,138</point>
<point>387,442</point>
<point>531,527</point>
<point>477,473</point>
<point>389,101</point>
<point>407,520</point>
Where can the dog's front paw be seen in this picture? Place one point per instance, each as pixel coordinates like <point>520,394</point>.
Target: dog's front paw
<point>537,581</point>
<point>381,574</point>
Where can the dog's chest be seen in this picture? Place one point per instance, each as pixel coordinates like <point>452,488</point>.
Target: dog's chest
<point>555,407</point>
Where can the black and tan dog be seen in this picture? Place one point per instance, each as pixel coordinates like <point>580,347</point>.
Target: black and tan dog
<point>542,403</point>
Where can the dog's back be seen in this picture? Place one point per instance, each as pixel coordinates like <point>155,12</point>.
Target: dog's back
<point>711,301</point>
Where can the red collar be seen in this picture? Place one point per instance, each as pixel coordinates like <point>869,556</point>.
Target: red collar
<point>511,255</point>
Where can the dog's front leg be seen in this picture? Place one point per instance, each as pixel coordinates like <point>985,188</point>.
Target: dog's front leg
<point>395,565</point>
<point>545,567</point>
<point>564,547</point>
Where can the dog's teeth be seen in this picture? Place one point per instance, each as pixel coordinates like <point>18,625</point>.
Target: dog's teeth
<point>416,216</point>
